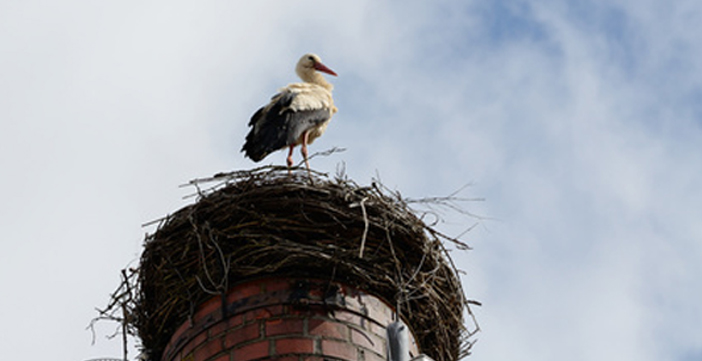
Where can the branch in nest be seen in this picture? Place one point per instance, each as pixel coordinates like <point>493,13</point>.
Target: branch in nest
<point>123,300</point>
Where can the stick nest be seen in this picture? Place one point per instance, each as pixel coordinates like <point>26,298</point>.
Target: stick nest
<point>266,221</point>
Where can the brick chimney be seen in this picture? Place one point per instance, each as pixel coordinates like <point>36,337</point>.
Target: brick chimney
<point>288,319</point>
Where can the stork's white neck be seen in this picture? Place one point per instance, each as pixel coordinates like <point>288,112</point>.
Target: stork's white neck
<point>315,77</point>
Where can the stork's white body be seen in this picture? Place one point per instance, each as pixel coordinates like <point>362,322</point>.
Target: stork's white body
<point>298,114</point>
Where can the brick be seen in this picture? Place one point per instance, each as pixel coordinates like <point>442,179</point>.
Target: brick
<point>181,330</point>
<point>277,284</point>
<point>368,340</point>
<point>286,358</point>
<point>372,356</point>
<point>228,324</point>
<point>285,326</point>
<point>194,343</point>
<point>286,346</point>
<point>207,350</point>
<point>316,293</point>
<point>375,328</point>
<point>242,334</point>
<point>176,356</point>
<point>210,306</point>
<point>224,357</point>
<point>349,317</point>
<point>339,349</point>
<point>262,314</point>
<point>353,303</point>
<point>414,347</point>
<point>314,358</point>
<point>257,314</point>
<point>172,350</point>
<point>298,311</point>
<point>251,351</point>
<point>276,310</point>
<point>378,311</point>
<point>327,328</point>
<point>244,290</point>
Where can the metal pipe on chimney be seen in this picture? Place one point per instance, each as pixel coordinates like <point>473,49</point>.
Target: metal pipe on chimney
<point>398,342</point>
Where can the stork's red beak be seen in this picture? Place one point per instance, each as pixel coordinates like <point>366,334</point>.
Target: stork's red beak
<point>323,68</point>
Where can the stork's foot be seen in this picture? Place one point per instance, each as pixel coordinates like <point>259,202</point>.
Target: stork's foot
<point>290,164</point>
<point>290,160</point>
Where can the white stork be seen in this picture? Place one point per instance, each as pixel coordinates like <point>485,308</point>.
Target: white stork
<point>298,114</point>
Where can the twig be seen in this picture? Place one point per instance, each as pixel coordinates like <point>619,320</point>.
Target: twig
<point>365,222</point>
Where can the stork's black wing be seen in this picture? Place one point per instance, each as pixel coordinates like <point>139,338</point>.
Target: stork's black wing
<point>279,125</point>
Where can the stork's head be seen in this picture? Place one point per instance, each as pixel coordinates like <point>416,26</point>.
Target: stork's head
<point>308,65</point>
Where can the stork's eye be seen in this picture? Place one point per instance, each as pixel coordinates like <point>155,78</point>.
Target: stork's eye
<point>311,58</point>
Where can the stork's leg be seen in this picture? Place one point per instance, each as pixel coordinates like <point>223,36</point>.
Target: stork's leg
<point>305,138</point>
<point>290,160</point>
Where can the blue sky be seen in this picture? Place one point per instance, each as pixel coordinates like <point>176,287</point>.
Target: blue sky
<point>579,123</point>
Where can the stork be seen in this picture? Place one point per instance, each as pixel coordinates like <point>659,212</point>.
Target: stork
<point>297,115</point>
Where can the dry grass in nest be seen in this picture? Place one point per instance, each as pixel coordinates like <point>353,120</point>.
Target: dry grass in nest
<point>266,221</point>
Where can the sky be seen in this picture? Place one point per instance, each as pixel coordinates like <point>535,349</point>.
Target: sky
<point>577,122</point>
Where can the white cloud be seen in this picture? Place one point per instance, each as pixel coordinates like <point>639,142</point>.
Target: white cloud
<point>579,122</point>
